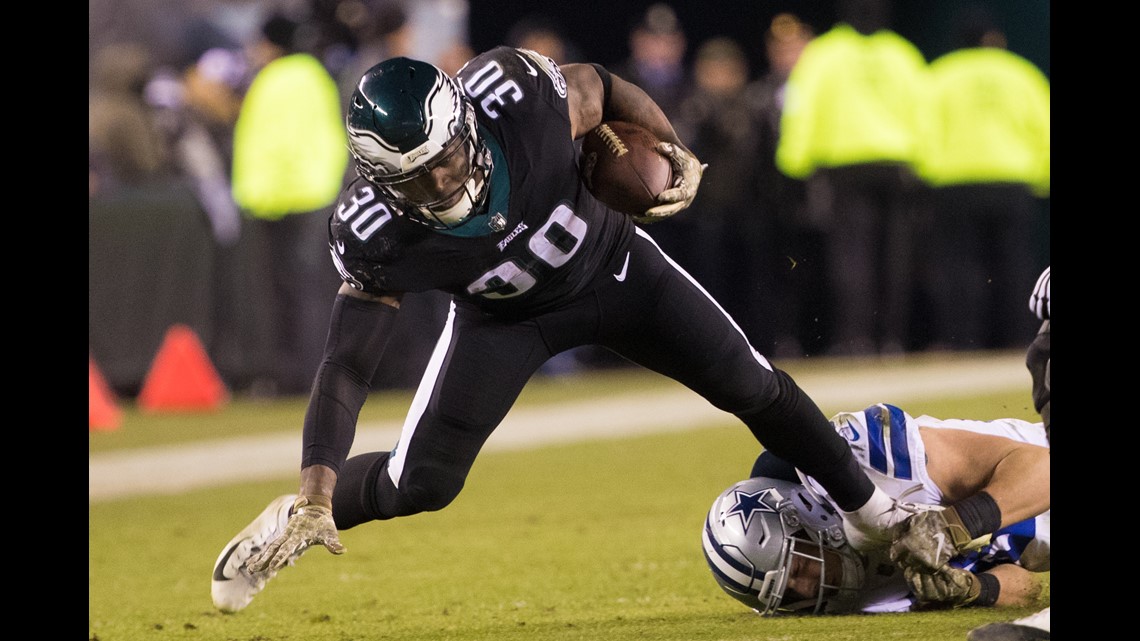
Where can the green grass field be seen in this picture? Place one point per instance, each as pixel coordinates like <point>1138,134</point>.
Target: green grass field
<point>597,540</point>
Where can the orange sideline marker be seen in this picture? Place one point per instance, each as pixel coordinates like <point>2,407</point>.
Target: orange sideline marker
<point>182,377</point>
<point>103,410</point>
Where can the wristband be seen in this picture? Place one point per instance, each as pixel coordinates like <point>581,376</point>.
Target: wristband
<point>312,499</point>
<point>988,594</point>
<point>978,514</point>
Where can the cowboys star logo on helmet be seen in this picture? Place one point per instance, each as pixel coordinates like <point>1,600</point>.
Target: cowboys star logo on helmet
<point>764,535</point>
<point>749,503</point>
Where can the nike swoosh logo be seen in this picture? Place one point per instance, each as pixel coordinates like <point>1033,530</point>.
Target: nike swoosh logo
<point>529,69</point>
<point>219,574</point>
<point>620,276</point>
<point>941,538</point>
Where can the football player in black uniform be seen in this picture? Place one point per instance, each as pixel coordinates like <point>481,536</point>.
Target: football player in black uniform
<point>470,186</point>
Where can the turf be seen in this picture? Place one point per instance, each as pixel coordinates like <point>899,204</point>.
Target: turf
<point>594,541</point>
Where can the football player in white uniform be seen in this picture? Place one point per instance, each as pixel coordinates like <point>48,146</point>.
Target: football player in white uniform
<point>776,543</point>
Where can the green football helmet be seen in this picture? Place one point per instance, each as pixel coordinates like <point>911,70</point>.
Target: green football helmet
<point>412,134</point>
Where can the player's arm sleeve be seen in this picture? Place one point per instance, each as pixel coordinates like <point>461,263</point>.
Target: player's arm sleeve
<point>771,466</point>
<point>359,330</point>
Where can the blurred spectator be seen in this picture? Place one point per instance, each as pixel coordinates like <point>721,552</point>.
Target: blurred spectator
<point>454,56</point>
<point>987,156</point>
<point>725,240</point>
<point>382,31</point>
<point>125,144</point>
<point>849,128</point>
<point>656,63</point>
<point>196,110</point>
<point>214,85</point>
<point>541,33</point>
<point>197,107</point>
<point>290,157</point>
<point>323,32</point>
<point>798,265</point>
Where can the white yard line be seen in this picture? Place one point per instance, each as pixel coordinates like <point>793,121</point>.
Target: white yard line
<point>179,468</point>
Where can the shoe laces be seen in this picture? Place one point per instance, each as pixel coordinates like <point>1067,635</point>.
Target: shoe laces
<point>271,529</point>
<point>904,509</point>
<point>258,579</point>
<point>910,506</point>
<point>256,544</point>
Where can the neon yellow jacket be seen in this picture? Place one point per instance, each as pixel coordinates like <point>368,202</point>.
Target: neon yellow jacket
<point>988,120</point>
<point>851,99</point>
<point>290,147</point>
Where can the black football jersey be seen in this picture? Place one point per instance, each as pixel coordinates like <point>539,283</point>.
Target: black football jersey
<point>550,237</point>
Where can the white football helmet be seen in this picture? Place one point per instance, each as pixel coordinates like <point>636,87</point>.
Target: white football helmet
<point>778,548</point>
<point>412,133</point>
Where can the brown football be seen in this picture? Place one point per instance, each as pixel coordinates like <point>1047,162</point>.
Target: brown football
<point>622,168</point>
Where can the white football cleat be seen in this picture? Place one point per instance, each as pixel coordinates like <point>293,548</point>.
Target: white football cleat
<point>233,586</point>
<point>873,525</point>
<point>1039,620</point>
<point>1034,627</point>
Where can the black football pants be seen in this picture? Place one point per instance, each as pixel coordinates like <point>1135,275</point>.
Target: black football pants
<point>654,315</point>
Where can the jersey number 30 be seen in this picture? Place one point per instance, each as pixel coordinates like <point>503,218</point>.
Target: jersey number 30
<point>551,245</point>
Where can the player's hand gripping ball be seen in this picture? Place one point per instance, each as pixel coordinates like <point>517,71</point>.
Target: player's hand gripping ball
<point>628,168</point>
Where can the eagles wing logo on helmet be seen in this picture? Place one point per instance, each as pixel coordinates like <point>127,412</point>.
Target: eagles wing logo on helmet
<point>401,115</point>
<point>414,136</point>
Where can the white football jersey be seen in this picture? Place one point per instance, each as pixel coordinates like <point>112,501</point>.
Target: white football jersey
<point>887,442</point>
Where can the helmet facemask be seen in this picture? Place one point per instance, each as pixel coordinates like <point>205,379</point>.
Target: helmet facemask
<point>445,191</point>
<point>836,573</point>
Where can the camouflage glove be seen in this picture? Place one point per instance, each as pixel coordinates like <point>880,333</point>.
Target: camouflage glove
<point>928,539</point>
<point>310,523</point>
<point>687,171</point>
<point>948,586</point>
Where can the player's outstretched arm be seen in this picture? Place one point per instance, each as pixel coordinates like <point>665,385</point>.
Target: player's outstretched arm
<point>359,329</point>
<point>989,481</point>
<point>963,463</point>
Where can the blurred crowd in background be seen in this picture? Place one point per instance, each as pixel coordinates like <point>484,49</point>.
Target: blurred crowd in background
<point>862,198</point>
